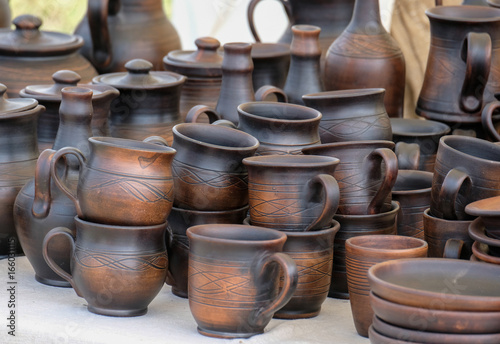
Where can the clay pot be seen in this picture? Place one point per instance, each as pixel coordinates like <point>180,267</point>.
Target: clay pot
<point>304,75</point>
<point>4,13</point>
<point>366,56</point>
<point>109,265</point>
<point>148,103</point>
<point>116,31</point>
<point>366,174</point>
<point>362,252</point>
<point>39,54</point>
<point>51,95</point>
<point>208,171</point>
<point>122,182</point>
<point>249,255</point>
<point>351,115</point>
<point>270,64</point>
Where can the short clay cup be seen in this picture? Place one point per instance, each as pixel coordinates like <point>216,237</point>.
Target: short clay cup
<point>234,273</point>
<point>110,265</point>
<point>362,252</point>
<point>366,174</point>
<point>438,231</point>
<point>121,182</point>
<point>413,192</point>
<point>178,222</point>
<point>208,171</point>
<point>292,193</point>
<point>459,178</point>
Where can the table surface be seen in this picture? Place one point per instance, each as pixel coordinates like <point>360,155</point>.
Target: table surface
<point>47,314</point>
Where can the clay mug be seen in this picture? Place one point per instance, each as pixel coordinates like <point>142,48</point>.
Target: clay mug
<point>292,193</point>
<point>121,181</point>
<point>466,170</point>
<point>366,174</point>
<point>208,169</point>
<point>362,252</point>
<point>118,270</point>
<point>234,273</point>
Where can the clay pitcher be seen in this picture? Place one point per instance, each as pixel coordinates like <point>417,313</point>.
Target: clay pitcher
<point>116,31</point>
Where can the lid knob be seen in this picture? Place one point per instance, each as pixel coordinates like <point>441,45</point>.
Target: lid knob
<point>207,43</point>
<point>66,77</point>
<point>27,22</point>
<point>138,66</point>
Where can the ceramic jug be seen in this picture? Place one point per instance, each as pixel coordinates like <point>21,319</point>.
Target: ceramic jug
<point>116,31</point>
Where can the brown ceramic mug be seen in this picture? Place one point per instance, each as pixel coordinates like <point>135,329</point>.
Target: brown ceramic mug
<point>118,270</point>
<point>292,193</point>
<point>234,278</point>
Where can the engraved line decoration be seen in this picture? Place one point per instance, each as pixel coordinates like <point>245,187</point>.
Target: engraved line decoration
<point>96,260</point>
<point>217,179</point>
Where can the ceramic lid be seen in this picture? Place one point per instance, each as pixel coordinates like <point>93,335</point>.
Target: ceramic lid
<point>206,61</point>
<point>8,106</point>
<point>488,207</point>
<point>140,76</point>
<point>28,40</point>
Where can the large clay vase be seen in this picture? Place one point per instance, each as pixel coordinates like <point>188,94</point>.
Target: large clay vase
<point>40,205</point>
<point>4,13</point>
<point>366,56</point>
<point>116,31</point>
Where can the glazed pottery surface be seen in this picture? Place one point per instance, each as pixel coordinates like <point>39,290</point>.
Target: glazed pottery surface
<point>292,193</point>
<point>270,64</point>
<point>436,283</point>
<point>366,174</point>
<point>110,265</point>
<point>208,169</point>
<point>116,31</point>
<point>234,273</point>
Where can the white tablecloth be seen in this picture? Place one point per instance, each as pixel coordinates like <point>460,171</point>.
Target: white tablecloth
<point>57,315</point>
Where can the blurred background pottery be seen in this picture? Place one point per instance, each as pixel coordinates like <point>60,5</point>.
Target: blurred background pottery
<point>270,64</point>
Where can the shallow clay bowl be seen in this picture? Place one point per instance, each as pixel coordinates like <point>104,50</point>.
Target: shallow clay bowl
<point>377,338</point>
<point>481,251</point>
<point>478,232</point>
<point>436,283</point>
<point>400,333</point>
<point>431,320</point>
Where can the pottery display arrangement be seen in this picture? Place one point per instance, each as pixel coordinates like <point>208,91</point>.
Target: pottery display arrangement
<point>484,230</point>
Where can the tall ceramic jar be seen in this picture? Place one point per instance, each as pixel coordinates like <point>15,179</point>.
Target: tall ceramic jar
<point>18,156</point>
<point>366,56</point>
<point>40,205</point>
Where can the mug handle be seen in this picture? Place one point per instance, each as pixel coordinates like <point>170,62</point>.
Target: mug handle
<point>251,22</point>
<point>331,200</point>
<point>196,111</point>
<point>41,202</point>
<point>408,155</point>
<point>391,173</point>
<point>476,52</point>
<point>448,194</point>
<point>264,91</point>
<point>53,172</point>
<point>69,234</point>
<point>291,277</point>
<point>157,140</point>
<point>453,249</point>
<point>487,120</point>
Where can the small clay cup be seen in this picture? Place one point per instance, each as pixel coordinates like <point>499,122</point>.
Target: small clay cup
<point>234,274</point>
<point>118,270</point>
<point>362,252</point>
<point>292,193</point>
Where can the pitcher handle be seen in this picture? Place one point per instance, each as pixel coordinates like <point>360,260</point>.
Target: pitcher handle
<point>41,202</point>
<point>251,10</point>
<point>487,120</point>
<point>391,173</point>
<point>53,172</point>
<point>408,155</point>
<point>331,192</point>
<point>195,112</point>
<point>454,249</point>
<point>264,91</point>
<point>448,194</point>
<point>476,52</point>
<point>97,15</point>
<point>289,268</point>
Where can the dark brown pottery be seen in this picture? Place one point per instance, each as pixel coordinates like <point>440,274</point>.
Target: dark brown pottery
<point>366,174</point>
<point>38,54</point>
<point>50,96</point>
<point>413,192</point>
<point>417,142</point>
<point>460,76</point>
<point>179,221</point>
<point>479,232</point>
<point>280,128</point>
<point>466,170</point>
<point>304,75</point>
<point>489,211</point>
<point>118,270</point>
<point>377,338</point>
<point>351,115</point>
<point>121,182</point>
<point>116,31</point>
<point>353,226</point>
<point>365,55</point>
<point>292,193</point>
<point>208,170</point>
<point>270,64</point>
<point>437,283</point>
<point>4,13</point>
<point>234,273</point>
<point>203,69</point>
<point>482,252</point>
<point>362,252</point>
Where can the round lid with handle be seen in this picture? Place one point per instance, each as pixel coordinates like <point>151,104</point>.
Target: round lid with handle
<point>28,40</point>
<point>9,106</point>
